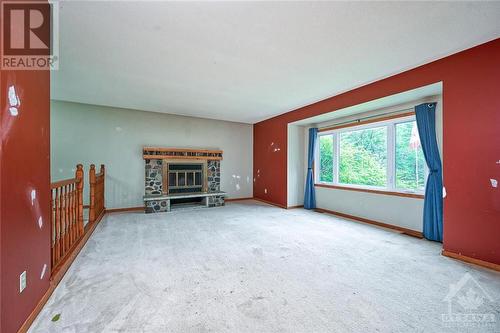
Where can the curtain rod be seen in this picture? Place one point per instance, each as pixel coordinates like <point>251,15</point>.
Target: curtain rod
<point>367,117</point>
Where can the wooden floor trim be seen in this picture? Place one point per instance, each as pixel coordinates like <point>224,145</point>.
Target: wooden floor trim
<point>294,207</point>
<point>237,199</point>
<point>470,260</point>
<point>402,230</point>
<point>270,203</point>
<point>31,318</point>
<point>125,209</point>
<point>58,274</point>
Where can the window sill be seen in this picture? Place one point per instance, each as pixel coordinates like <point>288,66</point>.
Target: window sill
<point>347,188</point>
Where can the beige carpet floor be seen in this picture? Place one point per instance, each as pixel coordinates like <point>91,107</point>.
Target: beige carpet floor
<point>250,267</point>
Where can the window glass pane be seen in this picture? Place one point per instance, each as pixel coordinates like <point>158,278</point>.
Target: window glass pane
<point>326,158</point>
<point>363,157</point>
<point>410,161</point>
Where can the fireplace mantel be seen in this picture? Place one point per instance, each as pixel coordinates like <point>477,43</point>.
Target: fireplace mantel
<point>181,153</point>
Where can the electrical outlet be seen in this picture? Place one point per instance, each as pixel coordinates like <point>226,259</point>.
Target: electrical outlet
<point>22,281</point>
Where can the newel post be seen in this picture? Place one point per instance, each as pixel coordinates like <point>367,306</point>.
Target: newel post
<point>79,177</point>
<point>92,194</point>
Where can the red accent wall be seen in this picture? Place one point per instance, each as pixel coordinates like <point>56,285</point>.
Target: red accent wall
<point>24,166</point>
<point>471,144</point>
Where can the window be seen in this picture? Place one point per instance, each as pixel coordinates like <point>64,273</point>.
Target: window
<point>326,158</point>
<point>384,155</point>
<point>410,161</point>
<point>363,157</point>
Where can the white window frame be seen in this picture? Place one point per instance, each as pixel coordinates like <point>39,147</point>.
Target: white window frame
<point>391,156</point>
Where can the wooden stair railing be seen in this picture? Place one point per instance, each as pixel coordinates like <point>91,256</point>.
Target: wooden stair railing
<point>67,216</point>
<point>96,208</point>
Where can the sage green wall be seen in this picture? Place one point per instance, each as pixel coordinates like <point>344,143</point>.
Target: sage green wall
<point>82,133</point>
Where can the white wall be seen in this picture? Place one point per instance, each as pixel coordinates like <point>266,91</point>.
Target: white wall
<point>82,133</point>
<point>296,169</point>
<point>400,211</point>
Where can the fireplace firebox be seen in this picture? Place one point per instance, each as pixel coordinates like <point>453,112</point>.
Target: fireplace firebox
<point>184,177</point>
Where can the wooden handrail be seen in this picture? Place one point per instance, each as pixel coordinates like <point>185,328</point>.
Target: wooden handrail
<point>68,231</point>
<point>63,182</point>
<point>66,216</point>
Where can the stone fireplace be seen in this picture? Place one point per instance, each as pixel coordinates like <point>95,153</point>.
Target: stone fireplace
<point>181,178</point>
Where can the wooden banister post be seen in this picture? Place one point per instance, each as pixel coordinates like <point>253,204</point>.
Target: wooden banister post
<point>103,182</point>
<point>92,193</point>
<point>80,178</point>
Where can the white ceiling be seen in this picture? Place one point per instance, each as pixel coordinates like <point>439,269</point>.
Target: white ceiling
<point>248,61</point>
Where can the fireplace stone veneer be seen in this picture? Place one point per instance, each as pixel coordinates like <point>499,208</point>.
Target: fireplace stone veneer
<point>157,197</point>
<point>154,179</point>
